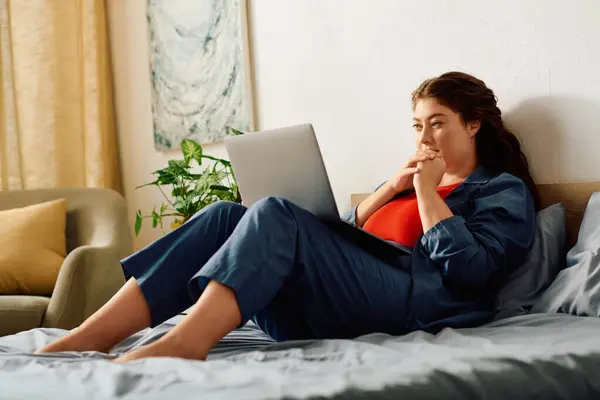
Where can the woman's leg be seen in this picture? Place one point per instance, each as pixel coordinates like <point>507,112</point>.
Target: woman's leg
<point>214,315</point>
<point>297,278</point>
<point>158,288</point>
<point>126,313</point>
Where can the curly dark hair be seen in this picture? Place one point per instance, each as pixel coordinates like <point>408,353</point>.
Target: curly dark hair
<point>498,149</point>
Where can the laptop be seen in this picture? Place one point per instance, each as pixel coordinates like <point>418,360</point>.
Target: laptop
<point>287,162</point>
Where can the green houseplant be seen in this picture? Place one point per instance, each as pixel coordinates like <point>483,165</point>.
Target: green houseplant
<point>193,185</point>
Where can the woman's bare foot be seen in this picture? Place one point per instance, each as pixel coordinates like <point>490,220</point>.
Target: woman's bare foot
<point>214,315</point>
<point>164,347</point>
<point>76,340</point>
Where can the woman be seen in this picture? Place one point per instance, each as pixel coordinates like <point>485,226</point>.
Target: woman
<point>465,201</point>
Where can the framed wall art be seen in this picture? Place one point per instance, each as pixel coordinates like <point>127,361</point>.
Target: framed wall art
<point>200,69</point>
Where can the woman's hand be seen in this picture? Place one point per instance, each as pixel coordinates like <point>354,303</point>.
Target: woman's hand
<point>401,181</point>
<point>430,174</point>
<point>404,179</point>
<point>432,208</point>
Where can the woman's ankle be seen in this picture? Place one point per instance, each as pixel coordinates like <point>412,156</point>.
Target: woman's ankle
<point>78,340</point>
<point>184,348</point>
<point>94,340</point>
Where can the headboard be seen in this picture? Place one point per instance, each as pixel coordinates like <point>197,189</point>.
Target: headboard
<point>574,196</point>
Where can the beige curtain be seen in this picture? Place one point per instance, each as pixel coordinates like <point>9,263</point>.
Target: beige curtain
<point>56,113</point>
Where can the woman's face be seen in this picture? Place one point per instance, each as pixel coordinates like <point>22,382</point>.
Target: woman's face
<point>440,129</point>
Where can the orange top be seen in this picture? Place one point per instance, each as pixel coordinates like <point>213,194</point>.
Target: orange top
<point>399,220</point>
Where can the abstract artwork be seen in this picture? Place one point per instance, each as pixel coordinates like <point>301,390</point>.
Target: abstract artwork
<point>200,70</point>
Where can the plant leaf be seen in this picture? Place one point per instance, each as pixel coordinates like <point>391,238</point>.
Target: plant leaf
<point>203,184</point>
<point>180,171</point>
<point>155,218</point>
<point>236,194</point>
<point>191,151</point>
<point>180,206</point>
<point>148,184</point>
<point>225,163</point>
<point>235,131</point>
<point>179,168</point>
<point>138,222</point>
<point>166,177</point>
<point>176,164</point>
<point>220,187</point>
<point>180,191</point>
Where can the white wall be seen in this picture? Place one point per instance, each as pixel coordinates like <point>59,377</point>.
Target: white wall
<point>348,66</point>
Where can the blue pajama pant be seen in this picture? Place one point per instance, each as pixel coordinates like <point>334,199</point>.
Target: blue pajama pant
<point>293,276</point>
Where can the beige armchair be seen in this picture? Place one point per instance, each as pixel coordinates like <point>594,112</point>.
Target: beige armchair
<point>98,237</point>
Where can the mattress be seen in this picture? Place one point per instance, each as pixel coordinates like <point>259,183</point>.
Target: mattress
<point>532,356</point>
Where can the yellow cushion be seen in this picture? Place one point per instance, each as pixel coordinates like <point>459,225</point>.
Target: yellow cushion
<point>32,247</point>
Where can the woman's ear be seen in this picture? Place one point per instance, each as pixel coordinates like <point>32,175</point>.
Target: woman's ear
<point>473,127</point>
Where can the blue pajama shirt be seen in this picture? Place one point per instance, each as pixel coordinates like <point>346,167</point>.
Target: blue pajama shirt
<point>298,279</point>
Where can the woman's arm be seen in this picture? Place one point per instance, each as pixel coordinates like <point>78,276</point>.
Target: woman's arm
<point>473,250</point>
<point>374,202</point>
<point>432,208</point>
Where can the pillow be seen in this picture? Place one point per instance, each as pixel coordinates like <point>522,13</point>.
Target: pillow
<point>544,261</point>
<point>576,290</point>
<point>32,247</point>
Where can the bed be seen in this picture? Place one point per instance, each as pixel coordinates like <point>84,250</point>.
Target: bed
<point>549,356</point>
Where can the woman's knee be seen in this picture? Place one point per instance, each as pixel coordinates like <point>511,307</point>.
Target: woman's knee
<point>271,203</point>
<point>220,207</point>
<point>223,205</point>
<point>273,207</point>
<point>280,211</point>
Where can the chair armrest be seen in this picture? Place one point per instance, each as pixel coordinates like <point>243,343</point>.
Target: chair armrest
<point>91,274</point>
<point>88,278</point>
